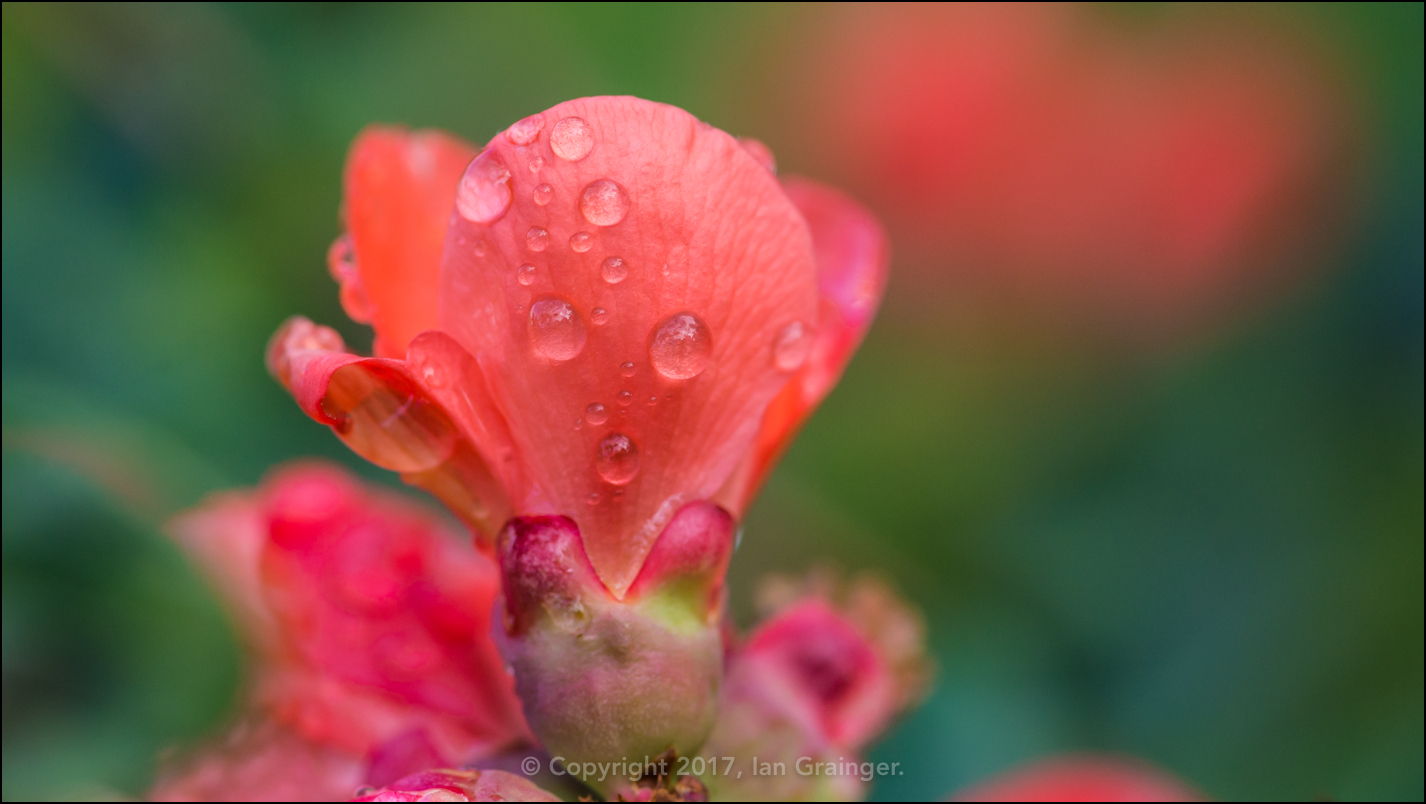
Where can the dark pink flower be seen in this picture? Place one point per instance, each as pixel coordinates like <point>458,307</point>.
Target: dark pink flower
<point>369,628</point>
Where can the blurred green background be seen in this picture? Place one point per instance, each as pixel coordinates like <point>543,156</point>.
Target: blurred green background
<point>1209,556</point>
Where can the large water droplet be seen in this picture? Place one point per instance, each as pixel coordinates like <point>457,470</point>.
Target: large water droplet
<point>525,275</point>
<point>627,368</point>
<point>604,203</point>
<point>542,194</point>
<point>596,414</point>
<point>599,316</point>
<point>680,346</point>
<point>572,139</point>
<point>526,131</point>
<point>581,241</point>
<point>556,329</point>
<point>617,459</point>
<point>484,193</point>
<point>537,239</point>
<point>614,270</point>
<point>791,346</point>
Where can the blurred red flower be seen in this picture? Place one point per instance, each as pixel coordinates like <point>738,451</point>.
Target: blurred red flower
<point>1084,777</point>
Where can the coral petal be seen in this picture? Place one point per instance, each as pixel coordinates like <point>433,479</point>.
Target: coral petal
<point>704,229</point>
<point>400,187</point>
<point>852,259</point>
<point>1082,778</point>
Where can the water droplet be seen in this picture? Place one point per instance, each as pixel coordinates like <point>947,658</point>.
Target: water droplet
<point>543,193</point>
<point>680,346</point>
<point>651,401</point>
<point>537,239</point>
<point>599,316</point>
<point>526,131</point>
<point>572,139</point>
<point>434,376</point>
<point>592,498</point>
<point>791,346</point>
<point>556,329</point>
<point>614,270</point>
<point>525,275</point>
<point>481,248</point>
<point>664,270</point>
<point>627,368</point>
<point>604,203</point>
<point>596,413</point>
<point>617,459</point>
<point>484,193</point>
<point>625,398</point>
<point>581,241</point>
<point>578,423</point>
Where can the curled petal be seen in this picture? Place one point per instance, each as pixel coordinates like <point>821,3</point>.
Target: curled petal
<point>459,785</point>
<point>713,262</point>
<point>852,259</point>
<point>379,409</point>
<point>399,190</point>
<point>1082,778</point>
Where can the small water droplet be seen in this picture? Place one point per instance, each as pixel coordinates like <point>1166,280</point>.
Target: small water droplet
<point>651,401</point>
<point>592,498</point>
<point>537,239</point>
<point>578,423</point>
<point>614,270</point>
<point>484,193</point>
<point>680,346</point>
<point>625,398</point>
<point>536,164</point>
<point>542,194</point>
<point>599,316</point>
<point>791,346</point>
<point>481,248</point>
<point>604,203</point>
<point>525,275</point>
<point>617,459</point>
<point>526,131</point>
<point>572,139</point>
<point>664,270</point>
<point>581,241</point>
<point>596,413</point>
<point>556,329</point>
<point>627,368</point>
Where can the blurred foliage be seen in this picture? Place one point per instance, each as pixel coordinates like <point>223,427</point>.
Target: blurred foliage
<point>1210,556</point>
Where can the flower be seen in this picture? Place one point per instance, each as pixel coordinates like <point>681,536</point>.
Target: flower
<point>1082,777</point>
<point>1144,181</point>
<point>629,319</point>
<point>816,682</point>
<point>458,785</point>
<point>368,624</point>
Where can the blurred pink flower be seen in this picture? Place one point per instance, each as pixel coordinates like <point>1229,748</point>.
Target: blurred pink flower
<point>369,628</point>
<point>1082,777</point>
<point>1146,181</point>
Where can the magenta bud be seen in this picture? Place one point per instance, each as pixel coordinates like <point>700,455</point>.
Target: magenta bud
<point>609,680</point>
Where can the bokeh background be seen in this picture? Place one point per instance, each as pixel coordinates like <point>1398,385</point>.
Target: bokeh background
<point>1140,425</point>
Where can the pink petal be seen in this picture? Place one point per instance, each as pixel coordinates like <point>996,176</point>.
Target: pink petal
<point>702,228</point>
<point>1082,778</point>
<point>400,188</point>
<point>459,785</point>
<point>852,260</point>
<point>366,619</point>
